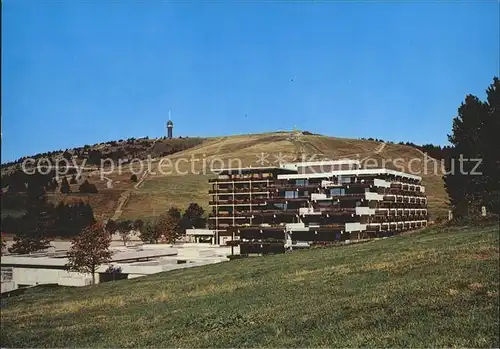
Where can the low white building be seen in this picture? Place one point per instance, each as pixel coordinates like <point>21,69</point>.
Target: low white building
<point>49,267</point>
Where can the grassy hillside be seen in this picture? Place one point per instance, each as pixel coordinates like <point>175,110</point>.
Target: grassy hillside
<point>118,197</point>
<point>111,186</point>
<point>160,191</point>
<point>435,288</point>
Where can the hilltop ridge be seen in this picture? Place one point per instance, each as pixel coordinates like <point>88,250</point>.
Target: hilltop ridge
<point>179,169</point>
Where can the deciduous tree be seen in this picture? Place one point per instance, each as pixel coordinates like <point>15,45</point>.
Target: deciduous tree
<point>168,225</point>
<point>149,233</point>
<point>89,250</point>
<point>124,228</point>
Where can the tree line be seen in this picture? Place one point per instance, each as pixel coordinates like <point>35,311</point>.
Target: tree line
<point>43,221</point>
<point>129,148</point>
<point>167,227</point>
<point>435,151</point>
<point>90,248</point>
<point>18,182</point>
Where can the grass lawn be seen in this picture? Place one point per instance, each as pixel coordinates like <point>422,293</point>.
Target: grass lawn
<point>435,288</point>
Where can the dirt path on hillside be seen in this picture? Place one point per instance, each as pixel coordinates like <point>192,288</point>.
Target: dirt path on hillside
<point>303,146</point>
<point>121,202</point>
<point>124,197</point>
<point>221,144</point>
<point>143,177</point>
<point>377,151</point>
<point>380,148</point>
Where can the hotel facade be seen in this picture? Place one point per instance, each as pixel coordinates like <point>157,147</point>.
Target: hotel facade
<point>271,209</point>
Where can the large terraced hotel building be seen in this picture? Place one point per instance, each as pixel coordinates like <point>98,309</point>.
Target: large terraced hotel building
<point>270,209</point>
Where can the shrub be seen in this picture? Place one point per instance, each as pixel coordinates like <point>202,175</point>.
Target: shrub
<point>88,188</point>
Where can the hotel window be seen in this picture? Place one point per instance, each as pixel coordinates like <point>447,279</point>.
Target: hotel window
<point>337,192</point>
<point>281,206</point>
<point>301,182</point>
<point>345,180</point>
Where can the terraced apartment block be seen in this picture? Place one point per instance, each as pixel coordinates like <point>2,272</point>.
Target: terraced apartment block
<point>272,209</point>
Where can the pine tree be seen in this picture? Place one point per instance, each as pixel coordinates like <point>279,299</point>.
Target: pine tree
<point>193,217</point>
<point>475,136</point>
<point>38,220</point>
<point>67,155</point>
<point>80,219</point>
<point>87,187</point>
<point>111,226</point>
<point>491,148</point>
<point>138,224</point>
<point>50,186</point>
<point>65,188</point>
<point>88,214</point>
<point>62,220</point>
<point>17,182</point>
<point>465,140</point>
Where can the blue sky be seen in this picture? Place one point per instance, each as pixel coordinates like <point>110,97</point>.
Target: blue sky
<point>76,73</point>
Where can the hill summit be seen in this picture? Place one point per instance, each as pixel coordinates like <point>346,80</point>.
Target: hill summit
<point>176,171</point>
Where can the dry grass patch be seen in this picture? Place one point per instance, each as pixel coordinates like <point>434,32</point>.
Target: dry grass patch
<point>75,306</point>
<point>378,266</point>
<point>216,289</point>
<point>476,286</point>
<point>483,253</point>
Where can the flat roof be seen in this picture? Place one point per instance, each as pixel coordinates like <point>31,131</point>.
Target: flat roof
<point>200,232</point>
<point>323,162</point>
<point>285,167</point>
<point>223,171</point>
<point>48,259</point>
<point>360,172</point>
